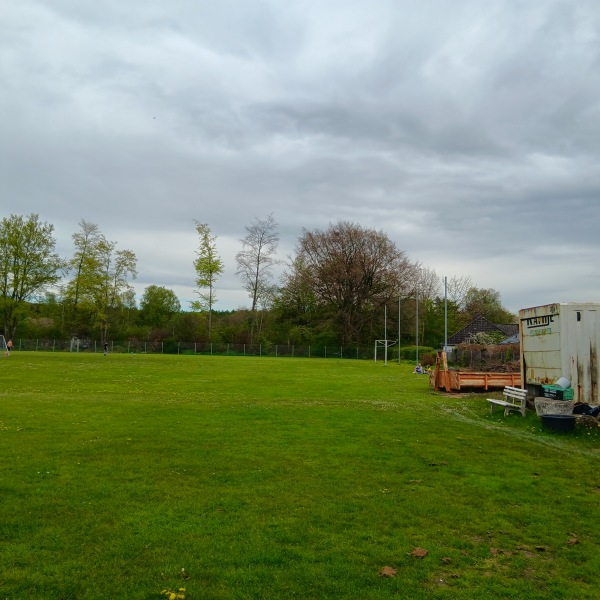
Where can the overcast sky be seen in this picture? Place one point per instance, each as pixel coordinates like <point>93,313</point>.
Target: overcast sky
<point>467,131</point>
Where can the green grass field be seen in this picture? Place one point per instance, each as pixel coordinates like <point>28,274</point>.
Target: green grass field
<point>127,475</point>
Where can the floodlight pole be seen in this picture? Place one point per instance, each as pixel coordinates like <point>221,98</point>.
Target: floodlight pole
<point>445,314</point>
<point>385,334</point>
<point>398,329</point>
<point>417,336</point>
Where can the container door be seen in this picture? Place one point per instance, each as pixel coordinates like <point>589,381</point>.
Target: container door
<point>540,344</point>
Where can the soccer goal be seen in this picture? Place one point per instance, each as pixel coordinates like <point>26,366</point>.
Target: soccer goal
<point>2,344</point>
<point>385,344</point>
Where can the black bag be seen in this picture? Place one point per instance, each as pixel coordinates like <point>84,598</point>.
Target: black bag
<point>586,409</point>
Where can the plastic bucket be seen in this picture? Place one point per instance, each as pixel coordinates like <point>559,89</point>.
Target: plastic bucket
<point>563,382</point>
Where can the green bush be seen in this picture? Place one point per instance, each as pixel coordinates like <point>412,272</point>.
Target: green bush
<point>410,352</point>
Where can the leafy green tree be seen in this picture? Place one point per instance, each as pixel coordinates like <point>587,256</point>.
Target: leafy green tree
<point>487,303</point>
<point>486,338</point>
<point>296,308</point>
<point>158,306</point>
<point>190,326</point>
<point>208,266</point>
<point>99,293</point>
<point>126,315</point>
<point>433,312</point>
<point>114,291</point>
<point>86,268</point>
<point>28,265</point>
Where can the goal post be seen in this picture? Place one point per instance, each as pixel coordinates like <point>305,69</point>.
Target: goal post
<point>2,343</point>
<point>385,344</point>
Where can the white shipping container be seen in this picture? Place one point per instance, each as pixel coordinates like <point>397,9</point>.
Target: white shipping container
<point>561,340</point>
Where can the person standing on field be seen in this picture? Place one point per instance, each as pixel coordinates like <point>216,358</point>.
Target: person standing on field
<point>105,348</point>
<point>9,347</point>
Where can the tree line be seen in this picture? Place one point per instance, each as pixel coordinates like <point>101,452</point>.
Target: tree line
<point>343,285</point>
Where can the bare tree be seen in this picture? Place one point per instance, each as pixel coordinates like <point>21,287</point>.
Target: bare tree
<point>255,262</point>
<point>425,285</point>
<point>352,272</point>
<point>427,282</point>
<point>458,288</point>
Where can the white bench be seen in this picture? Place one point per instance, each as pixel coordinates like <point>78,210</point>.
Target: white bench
<point>515,399</point>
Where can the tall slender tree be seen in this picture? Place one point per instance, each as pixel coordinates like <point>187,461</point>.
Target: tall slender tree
<point>114,290</point>
<point>255,262</point>
<point>85,266</point>
<point>208,267</point>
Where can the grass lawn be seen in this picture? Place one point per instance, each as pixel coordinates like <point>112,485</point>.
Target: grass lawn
<point>244,477</point>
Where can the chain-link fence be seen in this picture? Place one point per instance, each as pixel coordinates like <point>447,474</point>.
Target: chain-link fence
<point>221,349</point>
<point>471,357</point>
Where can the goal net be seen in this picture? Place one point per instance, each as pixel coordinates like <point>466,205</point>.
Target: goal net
<point>2,343</point>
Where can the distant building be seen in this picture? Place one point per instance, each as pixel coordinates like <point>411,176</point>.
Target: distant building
<point>481,324</point>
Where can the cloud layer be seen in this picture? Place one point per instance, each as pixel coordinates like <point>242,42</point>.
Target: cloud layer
<point>469,132</point>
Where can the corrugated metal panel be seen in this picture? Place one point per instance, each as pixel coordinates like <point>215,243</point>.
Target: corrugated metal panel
<point>580,352</point>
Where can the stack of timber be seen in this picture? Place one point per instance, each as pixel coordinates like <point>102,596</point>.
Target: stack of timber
<point>442,378</point>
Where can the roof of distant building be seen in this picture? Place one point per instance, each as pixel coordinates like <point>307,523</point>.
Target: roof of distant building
<point>479,324</point>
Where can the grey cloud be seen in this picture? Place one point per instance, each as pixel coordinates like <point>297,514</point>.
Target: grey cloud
<point>467,132</point>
